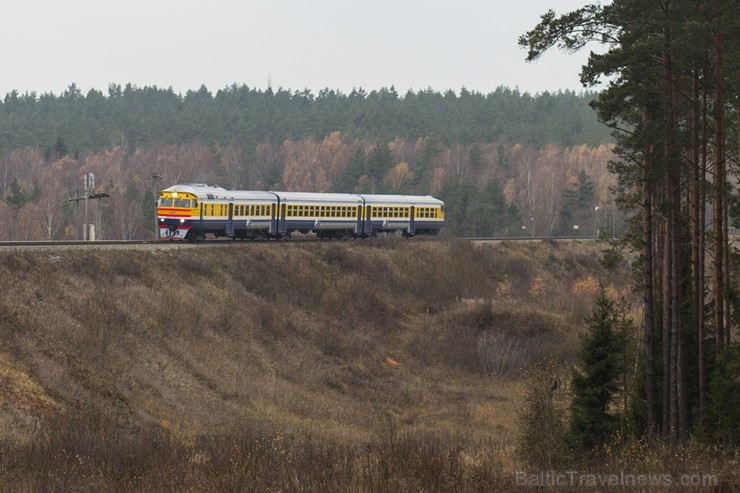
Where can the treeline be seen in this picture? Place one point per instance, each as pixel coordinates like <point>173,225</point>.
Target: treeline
<point>75,123</point>
<point>500,188</point>
<point>674,78</point>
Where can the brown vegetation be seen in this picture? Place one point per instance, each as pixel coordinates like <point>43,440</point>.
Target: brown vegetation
<point>382,365</point>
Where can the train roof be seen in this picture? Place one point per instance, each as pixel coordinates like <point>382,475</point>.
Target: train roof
<point>213,192</point>
<point>345,198</point>
<point>375,199</point>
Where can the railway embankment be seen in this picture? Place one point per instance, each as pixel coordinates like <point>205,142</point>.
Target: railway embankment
<point>136,368</point>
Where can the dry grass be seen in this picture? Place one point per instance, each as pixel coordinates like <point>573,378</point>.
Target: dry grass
<point>384,365</point>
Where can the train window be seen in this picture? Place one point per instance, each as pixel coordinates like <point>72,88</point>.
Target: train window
<point>182,202</point>
<point>165,202</point>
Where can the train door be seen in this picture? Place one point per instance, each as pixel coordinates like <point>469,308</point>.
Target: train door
<point>230,221</point>
<point>273,218</point>
<point>282,224</point>
<point>412,223</point>
<point>368,220</point>
<point>358,220</point>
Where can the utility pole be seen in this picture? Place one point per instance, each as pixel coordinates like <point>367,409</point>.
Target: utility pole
<point>88,232</point>
<point>154,177</point>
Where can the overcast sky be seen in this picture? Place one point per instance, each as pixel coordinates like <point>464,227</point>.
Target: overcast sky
<point>45,45</point>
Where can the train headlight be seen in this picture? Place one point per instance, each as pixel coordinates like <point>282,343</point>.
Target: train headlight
<point>182,221</point>
<point>161,219</point>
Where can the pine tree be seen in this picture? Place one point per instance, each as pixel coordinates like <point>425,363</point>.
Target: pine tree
<point>598,380</point>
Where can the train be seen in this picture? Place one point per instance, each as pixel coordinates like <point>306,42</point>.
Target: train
<point>194,212</point>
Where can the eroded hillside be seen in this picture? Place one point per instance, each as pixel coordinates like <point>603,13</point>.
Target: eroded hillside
<point>338,343</point>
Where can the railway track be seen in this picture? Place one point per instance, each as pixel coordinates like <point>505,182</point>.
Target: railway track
<point>225,242</point>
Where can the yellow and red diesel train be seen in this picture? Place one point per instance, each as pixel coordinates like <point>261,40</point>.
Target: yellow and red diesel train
<point>194,211</point>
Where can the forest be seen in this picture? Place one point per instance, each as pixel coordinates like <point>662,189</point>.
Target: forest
<point>506,163</point>
<point>672,70</point>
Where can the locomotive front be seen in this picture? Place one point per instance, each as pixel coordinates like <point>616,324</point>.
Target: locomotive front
<point>175,212</point>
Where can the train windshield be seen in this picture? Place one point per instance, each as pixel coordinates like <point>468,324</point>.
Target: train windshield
<point>165,202</point>
<point>182,203</point>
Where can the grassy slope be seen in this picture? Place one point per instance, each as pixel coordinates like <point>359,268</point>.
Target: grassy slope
<point>336,341</point>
